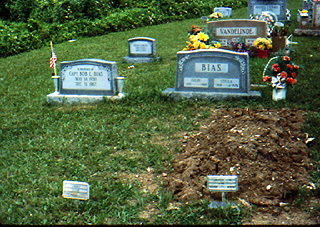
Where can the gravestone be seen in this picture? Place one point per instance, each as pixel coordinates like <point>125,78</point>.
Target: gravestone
<point>85,81</point>
<point>225,11</point>
<point>278,7</point>
<point>228,31</point>
<point>309,19</point>
<point>211,73</point>
<point>141,49</point>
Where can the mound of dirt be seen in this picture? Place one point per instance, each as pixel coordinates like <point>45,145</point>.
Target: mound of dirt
<point>266,149</point>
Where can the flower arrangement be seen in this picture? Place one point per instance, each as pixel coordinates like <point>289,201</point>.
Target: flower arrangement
<point>201,41</point>
<point>280,72</point>
<point>263,43</point>
<point>215,15</point>
<point>240,46</point>
<point>279,30</point>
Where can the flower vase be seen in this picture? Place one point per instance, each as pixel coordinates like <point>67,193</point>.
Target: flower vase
<point>120,85</point>
<point>279,94</point>
<point>263,53</point>
<point>278,43</point>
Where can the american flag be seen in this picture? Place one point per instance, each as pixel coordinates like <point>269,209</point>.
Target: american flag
<point>53,60</point>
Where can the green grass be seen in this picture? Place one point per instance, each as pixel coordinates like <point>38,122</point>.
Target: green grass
<point>107,144</point>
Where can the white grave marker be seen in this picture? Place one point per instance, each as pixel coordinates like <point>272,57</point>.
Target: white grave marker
<point>76,190</point>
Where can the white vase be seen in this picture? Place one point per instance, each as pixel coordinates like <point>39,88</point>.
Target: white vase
<point>279,94</point>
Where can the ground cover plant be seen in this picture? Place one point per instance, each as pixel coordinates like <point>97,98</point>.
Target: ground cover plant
<point>126,150</point>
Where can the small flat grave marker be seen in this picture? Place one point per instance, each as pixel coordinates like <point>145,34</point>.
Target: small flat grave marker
<point>222,183</point>
<point>141,49</point>
<point>76,190</point>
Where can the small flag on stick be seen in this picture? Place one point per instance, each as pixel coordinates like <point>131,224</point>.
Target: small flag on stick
<point>53,60</point>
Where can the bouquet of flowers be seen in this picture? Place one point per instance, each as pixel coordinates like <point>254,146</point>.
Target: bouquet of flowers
<point>280,72</point>
<point>216,15</point>
<point>263,43</point>
<point>201,41</point>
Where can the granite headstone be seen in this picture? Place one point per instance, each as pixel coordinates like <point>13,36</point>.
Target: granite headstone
<point>212,73</point>
<point>278,7</point>
<point>85,80</point>
<point>228,31</point>
<point>141,49</point>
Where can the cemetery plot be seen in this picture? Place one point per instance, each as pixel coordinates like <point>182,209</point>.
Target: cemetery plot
<point>266,149</point>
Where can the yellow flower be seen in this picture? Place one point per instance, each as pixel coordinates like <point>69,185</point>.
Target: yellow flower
<point>202,36</point>
<point>196,44</point>
<point>192,38</point>
<point>217,45</point>
<point>203,46</point>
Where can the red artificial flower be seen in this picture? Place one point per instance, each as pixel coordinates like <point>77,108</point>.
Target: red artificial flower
<point>291,81</point>
<point>276,67</point>
<point>266,79</point>
<point>289,66</point>
<point>293,74</point>
<point>284,74</point>
<point>286,58</point>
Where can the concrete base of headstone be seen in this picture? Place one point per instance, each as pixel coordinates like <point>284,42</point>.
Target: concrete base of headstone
<point>57,98</point>
<point>178,95</point>
<point>307,32</point>
<point>133,60</point>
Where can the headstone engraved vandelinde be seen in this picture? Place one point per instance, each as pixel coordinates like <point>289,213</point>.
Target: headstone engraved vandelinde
<point>141,49</point>
<point>227,31</point>
<point>278,7</point>
<point>211,73</point>
<point>85,80</point>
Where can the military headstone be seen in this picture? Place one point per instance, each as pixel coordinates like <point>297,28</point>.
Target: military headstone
<point>278,7</point>
<point>228,31</point>
<point>141,49</point>
<point>85,81</point>
<point>225,11</point>
<point>211,73</point>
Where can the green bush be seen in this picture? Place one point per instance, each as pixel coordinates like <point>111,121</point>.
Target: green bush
<point>33,23</point>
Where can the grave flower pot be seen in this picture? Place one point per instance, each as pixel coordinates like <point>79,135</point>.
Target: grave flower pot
<point>263,53</point>
<point>279,94</point>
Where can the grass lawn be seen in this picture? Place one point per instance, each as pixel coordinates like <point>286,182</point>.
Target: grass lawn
<point>109,144</point>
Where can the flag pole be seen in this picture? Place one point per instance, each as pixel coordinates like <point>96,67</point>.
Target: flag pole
<point>54,68</point>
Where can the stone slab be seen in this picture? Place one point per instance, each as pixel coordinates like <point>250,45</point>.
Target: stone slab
<point>133,60</point>
<point>56,98</point>
<point>178,95</point>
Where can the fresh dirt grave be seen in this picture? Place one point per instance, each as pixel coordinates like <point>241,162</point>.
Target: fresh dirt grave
<point>268,151</point>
